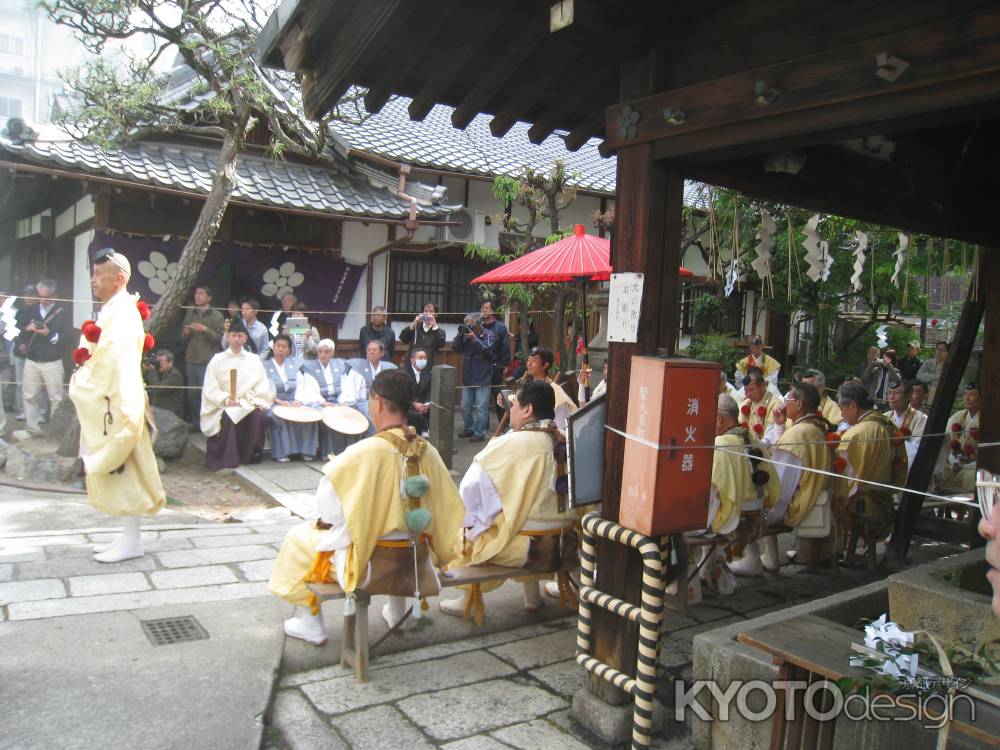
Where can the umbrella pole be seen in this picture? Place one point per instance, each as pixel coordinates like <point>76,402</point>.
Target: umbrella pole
<point>584,362</point>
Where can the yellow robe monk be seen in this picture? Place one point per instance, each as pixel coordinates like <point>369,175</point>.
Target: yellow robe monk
<point>116,443</point>
<point>768,364</point>
<point>870,454</point>
<point>360,497</point>
<point>831,411</point>
<point>509,490</point>
<point>732,482</point>
<point>804,446</point>
<point>757,416</point>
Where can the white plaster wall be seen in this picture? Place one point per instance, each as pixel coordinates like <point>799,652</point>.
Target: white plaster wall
<point>358,241</point>
<point>75,215</point>
<point>83,307</point>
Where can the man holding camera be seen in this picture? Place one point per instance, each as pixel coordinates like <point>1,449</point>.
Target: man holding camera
<point>164,383</point>
<point>423,333</point>
<point>43,326</point>
<point>475,342</point>
<point>880,374</point>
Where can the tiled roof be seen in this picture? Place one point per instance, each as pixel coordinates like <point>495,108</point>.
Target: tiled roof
<point>260,180</point>
<point>435,143</point>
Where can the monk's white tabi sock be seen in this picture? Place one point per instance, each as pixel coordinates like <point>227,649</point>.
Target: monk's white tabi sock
<point>749,564</point>
<point>394,610</point>
<point>107,545</point>
<point>127,546</point>
<point>306,626</point>
<point>455,607</point>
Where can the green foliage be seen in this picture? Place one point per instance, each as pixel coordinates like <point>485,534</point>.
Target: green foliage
<point>707,306</point>
<point>879,301</point>
<point>715,347</point>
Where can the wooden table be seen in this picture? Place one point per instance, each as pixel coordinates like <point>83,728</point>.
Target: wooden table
<point>811,649</point>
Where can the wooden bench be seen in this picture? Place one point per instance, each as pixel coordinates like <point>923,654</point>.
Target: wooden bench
<point>355,651</point>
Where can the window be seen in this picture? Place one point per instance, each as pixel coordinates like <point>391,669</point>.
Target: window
<point>442,280</point>
<point>10,107</point>
<point>730,319</point>
<point>11,45</point>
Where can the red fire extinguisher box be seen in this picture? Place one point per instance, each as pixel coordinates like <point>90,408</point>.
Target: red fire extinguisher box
<point>666,480</point>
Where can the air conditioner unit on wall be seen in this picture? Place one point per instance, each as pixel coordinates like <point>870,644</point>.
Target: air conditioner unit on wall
<point>471,227</point>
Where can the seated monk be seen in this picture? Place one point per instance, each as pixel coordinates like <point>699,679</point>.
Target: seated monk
<point>514,495</point>
<point>739,482</point>
<point>801,448</point>
<point>361,506</point>
<point>868,452</point>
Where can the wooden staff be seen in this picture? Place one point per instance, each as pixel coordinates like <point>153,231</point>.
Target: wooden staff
<point>232,384</point>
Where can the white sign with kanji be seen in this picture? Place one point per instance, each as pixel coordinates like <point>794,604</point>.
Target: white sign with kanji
<point>624,307</point>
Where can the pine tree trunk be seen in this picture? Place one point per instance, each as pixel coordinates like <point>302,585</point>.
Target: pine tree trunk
<point>205,229</point>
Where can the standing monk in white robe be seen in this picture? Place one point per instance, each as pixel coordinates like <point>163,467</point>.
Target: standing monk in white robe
<point>107,390</point>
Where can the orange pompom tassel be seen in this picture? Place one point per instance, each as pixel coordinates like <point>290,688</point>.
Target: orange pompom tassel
<point>148,343</point>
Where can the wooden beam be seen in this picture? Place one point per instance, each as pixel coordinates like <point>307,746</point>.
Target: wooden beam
<point>428,31</point>
<point>952,63</point>
<point>534,31</point>
<point>926,460</point>
<point>646,191</point>
<point>470,35</point>
<point>587,128</point>
<point>837,181</point>
<point>989,371</point>
<point>352,49</point>
<point>537,80</point>
<point>578,98</point>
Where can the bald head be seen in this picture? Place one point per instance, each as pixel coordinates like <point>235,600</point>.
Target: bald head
<point>727,415</point>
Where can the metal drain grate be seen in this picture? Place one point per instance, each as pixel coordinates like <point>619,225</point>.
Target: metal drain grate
<point>173,630</point>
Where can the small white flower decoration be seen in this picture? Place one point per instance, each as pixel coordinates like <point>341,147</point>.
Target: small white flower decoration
<point>158,270</point>
<point>281,280</point>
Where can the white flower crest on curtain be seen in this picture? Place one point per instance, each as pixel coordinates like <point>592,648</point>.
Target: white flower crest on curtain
<point>281,280</point>
<point>158,271</point>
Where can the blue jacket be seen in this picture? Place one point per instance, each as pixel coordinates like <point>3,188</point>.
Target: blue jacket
<point>477,358</point>
<point>501,342</point>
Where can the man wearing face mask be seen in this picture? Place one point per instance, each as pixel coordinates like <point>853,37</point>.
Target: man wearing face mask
<point>418,415</point>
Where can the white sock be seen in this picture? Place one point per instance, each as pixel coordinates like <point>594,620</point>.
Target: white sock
<point>532,595</point>
<point>127,546</point>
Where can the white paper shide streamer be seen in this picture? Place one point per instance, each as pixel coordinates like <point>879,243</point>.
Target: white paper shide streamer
<point>860,256</point>
<point>732,276</point>
<point>7,317</point>
<point>818,256</point>
<point>882,335</point>
<point>900,255</point>
<point>765,244</point>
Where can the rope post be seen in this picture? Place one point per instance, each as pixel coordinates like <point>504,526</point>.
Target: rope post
<point>441,416</point>
<point>642,688</point>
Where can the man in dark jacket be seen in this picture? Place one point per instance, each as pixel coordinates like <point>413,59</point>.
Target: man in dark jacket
<point>44,327</point>
<point>167,391</point>
<point>378,330</point>
<point>910,364</point>
<point>500,347</point>
<point>475,343</point>
<point>418,415</point>
<point>424,333</point>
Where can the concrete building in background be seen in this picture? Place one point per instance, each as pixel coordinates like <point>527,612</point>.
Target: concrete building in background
<point>33,50</point>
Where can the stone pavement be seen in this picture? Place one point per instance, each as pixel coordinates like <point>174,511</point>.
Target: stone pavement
<point>85,674</point>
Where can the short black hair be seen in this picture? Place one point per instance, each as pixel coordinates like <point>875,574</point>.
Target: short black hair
<point>809,395</point>
<point>395,387</point>
<point>286,338</point>
<point>433,305</point>
<point>539,395</point>
<point>418,350</point>
<point>754,375</point>
<point>207,290</point>
<point>856,393</point>
<point>920,383</point>
<point>545,354</point>
<point>906,386</point>
<point>255,304</point>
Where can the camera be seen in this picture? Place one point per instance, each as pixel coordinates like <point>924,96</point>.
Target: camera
<point>464,329</point>
<point>425,318</point>
<point>150,360</point>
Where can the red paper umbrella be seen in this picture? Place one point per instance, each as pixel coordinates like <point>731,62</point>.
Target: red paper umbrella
<point>579,256</point>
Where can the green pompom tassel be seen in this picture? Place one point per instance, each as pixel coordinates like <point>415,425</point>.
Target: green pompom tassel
<point>418,519</point>
<point>417,485</point>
